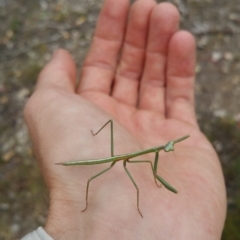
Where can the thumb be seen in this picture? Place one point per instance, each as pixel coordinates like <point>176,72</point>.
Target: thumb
<point>59,72</point>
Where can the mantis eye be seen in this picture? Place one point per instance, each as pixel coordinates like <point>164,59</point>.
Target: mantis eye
<point>169,146</point>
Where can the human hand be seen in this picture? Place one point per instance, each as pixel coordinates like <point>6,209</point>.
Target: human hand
<point>148,92</point>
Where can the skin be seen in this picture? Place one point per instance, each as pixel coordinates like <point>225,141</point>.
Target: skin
<point>139,72</point>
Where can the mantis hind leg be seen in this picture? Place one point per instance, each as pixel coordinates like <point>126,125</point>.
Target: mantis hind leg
<point>112,145</point>
<point>90,179</point>
<point>128,173</point>
<point>146,161</point>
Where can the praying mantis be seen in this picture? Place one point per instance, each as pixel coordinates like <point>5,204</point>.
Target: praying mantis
<point>126,159</point>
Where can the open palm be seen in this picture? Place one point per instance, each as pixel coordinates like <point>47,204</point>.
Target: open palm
<point>140,73</point>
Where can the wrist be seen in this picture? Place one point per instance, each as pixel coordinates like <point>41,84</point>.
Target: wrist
<point>64,218</point>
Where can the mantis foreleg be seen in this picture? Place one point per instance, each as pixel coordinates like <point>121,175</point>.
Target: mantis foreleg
<point>156,163</point>
<point>128,173</point>
<point>166,184</point>
<point>90,179</point>
<point>161,180</point>
<point>145,161</point>
<point>112,145</point>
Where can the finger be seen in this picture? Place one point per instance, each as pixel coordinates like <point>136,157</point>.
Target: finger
<point>164,23</point>
<point>100,64</point>
<point>131,63</point>
<point>181,77</point>
<point>60,72</point>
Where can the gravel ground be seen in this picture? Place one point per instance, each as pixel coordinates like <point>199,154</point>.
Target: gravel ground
<point>31,30</point>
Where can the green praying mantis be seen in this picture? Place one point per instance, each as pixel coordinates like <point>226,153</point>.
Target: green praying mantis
<point>126,159</point>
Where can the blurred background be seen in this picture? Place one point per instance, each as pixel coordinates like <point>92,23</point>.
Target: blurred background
<point>31,30</point>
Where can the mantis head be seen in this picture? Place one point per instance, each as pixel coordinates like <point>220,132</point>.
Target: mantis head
<point>170,145</point>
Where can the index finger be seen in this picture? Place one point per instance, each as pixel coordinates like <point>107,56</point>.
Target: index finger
<point>100,64</point>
